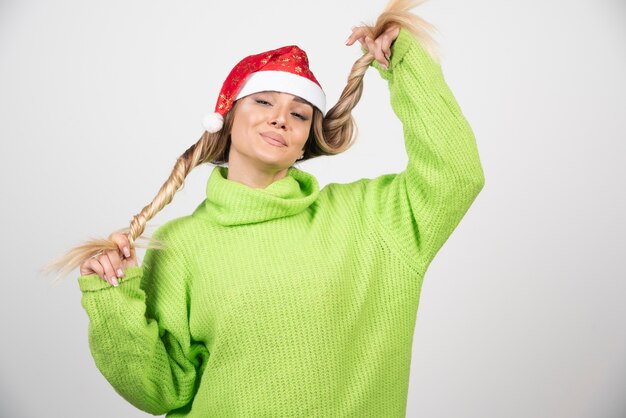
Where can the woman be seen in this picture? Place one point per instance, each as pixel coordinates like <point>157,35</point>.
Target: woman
<point>276,298</point>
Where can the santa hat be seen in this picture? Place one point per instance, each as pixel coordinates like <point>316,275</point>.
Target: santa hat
<point>284,69</point>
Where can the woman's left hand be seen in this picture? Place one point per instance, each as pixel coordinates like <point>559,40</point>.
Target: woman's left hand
<point>379,47</point>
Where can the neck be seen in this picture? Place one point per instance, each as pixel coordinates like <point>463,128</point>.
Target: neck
<point>246,172</point>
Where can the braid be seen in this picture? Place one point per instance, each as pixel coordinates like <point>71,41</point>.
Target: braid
<point>337,131</point>
<point>210,148</point>
<point>190,159</point>
<point>339,128</point>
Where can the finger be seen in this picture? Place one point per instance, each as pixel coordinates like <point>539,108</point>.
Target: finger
<point>390,36</point>
<point>116,263</point>
<point>85,267</point>
<point>393,32</point>
<point>358,33</point>
<point>379,53</point>
<point>94,265</point>
<point>350,38</point>
<point>386,46</point>
<point>122,242</point>
<point>109,273</point>
<point>133,256</point>
<point>371,46</point>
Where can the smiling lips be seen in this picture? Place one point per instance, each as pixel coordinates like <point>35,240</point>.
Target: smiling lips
<point>274,139</point>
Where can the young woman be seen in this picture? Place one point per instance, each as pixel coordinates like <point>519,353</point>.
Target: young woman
<point>275,298</point>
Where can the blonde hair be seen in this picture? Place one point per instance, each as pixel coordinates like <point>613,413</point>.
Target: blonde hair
<point>329,135</point>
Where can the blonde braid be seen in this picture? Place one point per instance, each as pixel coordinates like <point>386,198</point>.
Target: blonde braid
<point>210,148</point>
<point>337,131</point>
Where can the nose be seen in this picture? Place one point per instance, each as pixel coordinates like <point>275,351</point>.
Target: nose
<point>278,119</point>
<point>278,122</point>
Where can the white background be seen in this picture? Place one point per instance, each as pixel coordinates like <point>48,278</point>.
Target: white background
<point>522,312</point>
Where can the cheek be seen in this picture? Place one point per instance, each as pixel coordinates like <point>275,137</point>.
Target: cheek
<point>303,134</point>
<point>243,123</point>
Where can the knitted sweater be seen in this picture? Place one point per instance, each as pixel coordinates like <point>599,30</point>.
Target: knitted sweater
<point>291,301</point>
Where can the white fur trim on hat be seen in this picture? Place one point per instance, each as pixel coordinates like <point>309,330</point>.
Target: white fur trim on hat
<point>213,122</point>
<point>285,82</point>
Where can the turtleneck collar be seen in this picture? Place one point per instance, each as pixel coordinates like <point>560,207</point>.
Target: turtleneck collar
<point>229,202</point>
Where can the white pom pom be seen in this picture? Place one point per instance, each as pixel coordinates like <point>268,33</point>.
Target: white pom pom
<point>213,122</point>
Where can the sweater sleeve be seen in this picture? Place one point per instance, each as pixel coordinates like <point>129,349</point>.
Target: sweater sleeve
<point>139,332</point>
<point>417,209</point>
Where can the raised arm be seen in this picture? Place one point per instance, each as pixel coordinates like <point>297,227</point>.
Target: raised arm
<point>139,333</point>
<point>418,209</point>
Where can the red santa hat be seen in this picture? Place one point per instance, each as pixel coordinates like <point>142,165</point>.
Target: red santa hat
<point>284,69</point>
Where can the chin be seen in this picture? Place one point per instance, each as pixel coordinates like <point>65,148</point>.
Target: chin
<point>274,161</point>
<point>275,157</point>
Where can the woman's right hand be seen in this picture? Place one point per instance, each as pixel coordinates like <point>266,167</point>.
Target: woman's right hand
<point>110,264</point>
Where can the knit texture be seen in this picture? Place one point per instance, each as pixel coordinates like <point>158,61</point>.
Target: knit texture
<point>291,301</point>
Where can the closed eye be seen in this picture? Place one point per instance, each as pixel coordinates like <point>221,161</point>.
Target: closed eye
<point>298,115</point>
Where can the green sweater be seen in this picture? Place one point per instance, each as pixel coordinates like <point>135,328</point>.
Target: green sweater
<point>291,301</point>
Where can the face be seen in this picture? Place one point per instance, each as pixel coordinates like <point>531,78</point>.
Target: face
<point>270,129</point>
